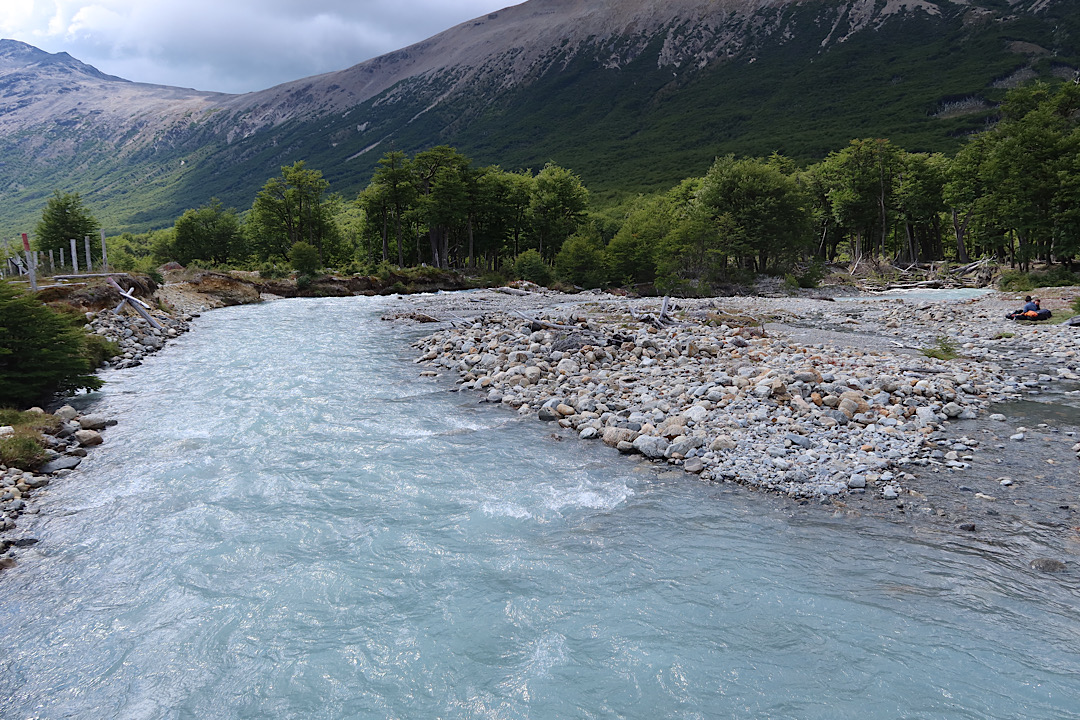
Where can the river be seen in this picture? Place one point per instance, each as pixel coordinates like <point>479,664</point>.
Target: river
<point>288,522</point>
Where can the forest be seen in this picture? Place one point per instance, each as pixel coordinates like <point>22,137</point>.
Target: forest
<point>1010,194</point>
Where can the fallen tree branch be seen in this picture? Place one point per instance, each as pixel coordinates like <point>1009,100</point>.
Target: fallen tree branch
<point>544,324</point>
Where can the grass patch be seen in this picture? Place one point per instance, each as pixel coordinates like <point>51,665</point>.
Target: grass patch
<point>942,349</point>
<point>25,449</point>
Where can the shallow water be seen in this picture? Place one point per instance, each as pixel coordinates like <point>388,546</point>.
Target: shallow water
<point>924,294</point>
<point>289,523</point>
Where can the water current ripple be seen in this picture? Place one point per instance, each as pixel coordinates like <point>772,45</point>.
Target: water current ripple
<point>288,523</point>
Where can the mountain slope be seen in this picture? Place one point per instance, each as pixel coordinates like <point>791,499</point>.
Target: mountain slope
<point>632,94</point>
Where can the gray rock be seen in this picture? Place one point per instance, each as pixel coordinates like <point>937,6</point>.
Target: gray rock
<point>1048,565</point>
<point>66,413</point>
<point>613,436</point>
<point>952,410</point>
<point>93,422</point>
<point>723,443</point>
<point>856,481</point>
<point>651,446</point>
<point>548,414</point>
<point>694,465</point>
<point>64,463</point>
<point>88,438</point>
<point>837,416</point>
<point>625,447</point>
<point>800,440</point>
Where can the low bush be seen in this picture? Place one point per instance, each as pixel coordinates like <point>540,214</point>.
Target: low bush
<point>304,258</point>
<point>492,279</point>
<point>1057,276</point>
<point>531,266</point>
<point>272,271</point>
<point>99,349</point>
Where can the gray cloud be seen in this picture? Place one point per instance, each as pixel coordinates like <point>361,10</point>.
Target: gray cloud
<point>230,45</point>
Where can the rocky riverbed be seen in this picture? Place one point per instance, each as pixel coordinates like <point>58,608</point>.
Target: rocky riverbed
<point>827,403</point>
<point>824,402</point>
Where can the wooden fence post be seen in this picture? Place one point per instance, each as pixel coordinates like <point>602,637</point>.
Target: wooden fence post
<point>31,261</point>
<point>74,258</point>
<point>89,260</point>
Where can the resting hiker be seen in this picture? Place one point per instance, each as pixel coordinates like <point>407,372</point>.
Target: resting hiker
<point>1030,311</point>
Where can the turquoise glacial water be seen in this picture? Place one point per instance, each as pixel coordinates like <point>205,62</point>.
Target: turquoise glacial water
<point>288,522</point>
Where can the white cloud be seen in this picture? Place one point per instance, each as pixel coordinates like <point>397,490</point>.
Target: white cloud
<point>230,45</point>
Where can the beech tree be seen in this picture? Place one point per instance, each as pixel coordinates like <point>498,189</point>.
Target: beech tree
<point>395,193</point>
<point>556,208</point>
<point>761,210</point>
<point>291,208</point>
<point>208,233</point>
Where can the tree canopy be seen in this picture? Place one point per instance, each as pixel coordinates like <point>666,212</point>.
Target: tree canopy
<point>66,218</point>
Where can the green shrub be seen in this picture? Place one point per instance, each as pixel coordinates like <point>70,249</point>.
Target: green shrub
<point>99,349</point>
<point>581,261</point>
<point>272,271</point>
<point>41,351</point>
<point>1057,276</point>
<point>1015,281</point>
<point>303,282</point>
<point>304,258</point>
<point>492,279</point>
<point>531,266</point>
<point>811,277</point>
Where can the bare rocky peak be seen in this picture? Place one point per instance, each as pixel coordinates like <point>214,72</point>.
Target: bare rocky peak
<point>39,88</point>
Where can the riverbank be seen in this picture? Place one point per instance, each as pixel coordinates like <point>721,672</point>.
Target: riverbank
<point>71,434</point>
<point>824,402</point>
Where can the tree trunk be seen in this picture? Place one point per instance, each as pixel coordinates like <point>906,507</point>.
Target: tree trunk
<point>960,229</point>
<point>472,258</point>
<point>400,249</point>
<point>385,238</point>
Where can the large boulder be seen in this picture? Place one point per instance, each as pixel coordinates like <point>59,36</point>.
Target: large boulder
<point>614,435</point>
<point>651,446</point>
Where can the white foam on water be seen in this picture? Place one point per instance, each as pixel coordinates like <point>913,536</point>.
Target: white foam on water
<point>505,509</point>
<point>593,496</point>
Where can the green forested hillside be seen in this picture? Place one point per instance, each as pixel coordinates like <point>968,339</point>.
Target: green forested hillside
<point>923,81</point>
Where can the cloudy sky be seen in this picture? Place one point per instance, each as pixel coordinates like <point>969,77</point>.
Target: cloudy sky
<point>230,45</point>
